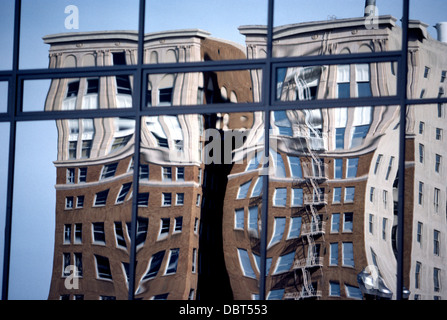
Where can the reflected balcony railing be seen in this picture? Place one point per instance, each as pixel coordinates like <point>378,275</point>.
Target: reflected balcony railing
<point>313,228</point>
<point>311,293</point>
<point>316,172</point>
<point>316,199</point>
<point>309,262</point>
<point>304,294</point>
<point>317,144</point>
<point>292,296</point>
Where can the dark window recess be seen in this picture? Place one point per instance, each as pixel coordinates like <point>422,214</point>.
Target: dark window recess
<point>123,84</point>
<point>155,265</point>
<point>73,88</point>
<point>103,267</point>
<point>166,95</point>
<point>119,59</point>
<point>101,198</point>
<point>142,226</point>
<point>92,86</point>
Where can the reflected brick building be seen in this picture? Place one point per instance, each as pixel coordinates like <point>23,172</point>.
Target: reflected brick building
<point>95,165</point>
<point>333,172</point>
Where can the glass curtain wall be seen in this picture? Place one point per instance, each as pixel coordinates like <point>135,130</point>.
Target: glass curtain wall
<point>230,151</point>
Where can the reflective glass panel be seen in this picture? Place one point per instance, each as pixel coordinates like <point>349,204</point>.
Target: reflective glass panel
<point>177,89</point>
<point>35,94</point>
<point>427,213</point>
<point>361,80</point>
<point>34,203</point>
<point>4,142</point>
<point>62,26</point>
<point>324,27</point>
<point>327,230</point>
<point>6,36</point>
<point>67,94</point>
<point>3,96</point>
<point>199,206</point>
<point>65,202</point>
<point>427,65</point>
<point>210,30</point>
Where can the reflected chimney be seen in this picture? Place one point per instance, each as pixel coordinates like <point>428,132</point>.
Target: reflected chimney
<point>441,27</point>
<point>370,8</point>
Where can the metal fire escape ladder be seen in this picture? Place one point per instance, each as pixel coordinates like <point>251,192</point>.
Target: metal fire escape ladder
<point>312,183</point>
<point>307,289</point>
<point>303,91</point>
<point>313,176</point>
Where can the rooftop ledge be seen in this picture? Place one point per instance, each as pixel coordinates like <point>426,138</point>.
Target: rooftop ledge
<point>313,26</point>
<point>130,35</point>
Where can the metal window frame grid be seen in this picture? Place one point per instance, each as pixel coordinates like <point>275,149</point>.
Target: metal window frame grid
<point>269,66</point>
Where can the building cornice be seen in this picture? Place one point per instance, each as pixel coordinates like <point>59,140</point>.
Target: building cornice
<point>312,27</point>
<point>91,35</point>
<point>129,35</point>
<point>173,34</point>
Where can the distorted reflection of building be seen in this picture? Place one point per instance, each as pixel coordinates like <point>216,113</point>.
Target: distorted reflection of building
<point>332,202</point>
<point>332,214</point>
<point>95,165</point>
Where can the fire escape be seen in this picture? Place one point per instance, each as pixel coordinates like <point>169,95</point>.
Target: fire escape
<point>306,264</point>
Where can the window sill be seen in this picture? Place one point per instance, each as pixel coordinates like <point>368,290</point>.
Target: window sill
<point>104,279</point>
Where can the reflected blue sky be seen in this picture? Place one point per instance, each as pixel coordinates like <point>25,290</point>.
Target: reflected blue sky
<point>34,94</point>
<point>6,24</point>
<point>3,96</point>
<point>44,17</point>
<point>34,203</point>
<point>221,18</point>
<point>4,142</point>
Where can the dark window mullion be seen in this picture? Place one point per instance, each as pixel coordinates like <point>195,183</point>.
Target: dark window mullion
<point>137,99</point>
<point>402,94</point>
<point>268,95</point>
<point>12,103</point>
